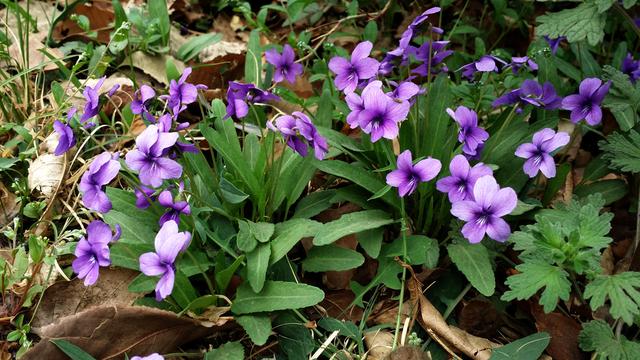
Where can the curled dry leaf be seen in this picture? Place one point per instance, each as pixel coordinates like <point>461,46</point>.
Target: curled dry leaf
<point>9,205</point>
<point>564,333</point>
<point>220,49</point>
<point>155,66</point>
<point>379,344</point>
<point>108,332</point>
<point>45,173</point>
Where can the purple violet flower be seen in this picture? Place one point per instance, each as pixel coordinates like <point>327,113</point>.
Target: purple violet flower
<point>470,135</point>
<point>154,356</point>
<point>459,185</point>
<point>240,95</point>
<point>168,243</point>
<point>554,43</point>
<point>144,197</point>
<point>285,66</point>
<point>407,176</point>
<point>381,114</point>
<point>359,67</point>
<point>586,104</point>
<point>538,153</point>
<point>141,99</point>
<point>531,92</point>
<point>92,252</point>
<point>486,63</point>
<point>404,91</point>
<point>355,104</point>
<point>182,93</point>
<point>484,212</point>
<point>174,209</point>
<point>103,169</point>
<point>149,157</point>
<point>66,139</point>
<point>518,62</point>
<point>407,35</point>
<point>631,67</point>
<point>299,132</point>
<point>92,106</point>
<point>431,54</point>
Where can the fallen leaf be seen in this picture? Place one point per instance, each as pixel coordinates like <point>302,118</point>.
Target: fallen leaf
<point>479,317</point>
<point>9,205</point>
<point>36,53</point>
<point>155,66</point>
<point>220,49</point>
<point>101,19</point>
<point>337,304</point>
<point>108,332</point>
<point>217,73</point>
<point>45,173</point>
<point>564,333</point>
<point>408,353</point>
<point>379,344</point>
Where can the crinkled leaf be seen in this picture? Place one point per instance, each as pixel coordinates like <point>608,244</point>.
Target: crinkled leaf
<point>621,290</point>
<point>534,276</point>
<point>597,336</point>
<point>577,24</point>
<point>622,151</point>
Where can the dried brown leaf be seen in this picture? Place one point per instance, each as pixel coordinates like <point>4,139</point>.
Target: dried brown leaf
<point>379,344</point>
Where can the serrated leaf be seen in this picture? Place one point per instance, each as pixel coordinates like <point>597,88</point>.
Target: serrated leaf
<point>597,336</point>
<point>474,262</point>
<point>534,276</point>
<point>257,326</point>
<point>350,224</point>
<point>257,265</point>
<point>577,24</point>
<point>331,258</point>
<point>622,151</point>
<point>527,348</point>
<point>275,295</point>
<point>621,290</point>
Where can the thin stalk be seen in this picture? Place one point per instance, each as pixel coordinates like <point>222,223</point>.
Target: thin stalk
<point>403,230</point>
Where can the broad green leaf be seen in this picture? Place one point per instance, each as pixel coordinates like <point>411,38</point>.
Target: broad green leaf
<point>253,61</point>
<point>294,337</point>
<point>583,22</point>
<point>158,9</point>
<point>621,289</point>
<point>421,250</point>
<point>598,337</point>
<point>230,193</point>
<point>534,276</point>
<point>527,348</point>
<point>287,235</point>
<point>142,283</point>
<point>350,224</point>
<point>120,39</point>
<point>275,295</point>
<point>189,50</point>
<point>6,163</point>
<point>257,326</point>
<point>331,258</point>
<point>257,264</point>
<point>314,203</point>
<point>183,292</point>
<point>245,240</point>
<point>223,276</point>
<point>371,241</point>
<point>611,189</point>
<point>228,351</point>
<point>200,303</point>
<point>262,231</point>
<point>474,262</point>
<point>344,328</point>
<point>71,350</point>
<point>370,32</point>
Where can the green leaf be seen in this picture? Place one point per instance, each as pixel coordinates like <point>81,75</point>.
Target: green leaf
<point>621,289</point>
<point>72,351</point>
<point>228,351</point>
<point>6,163</point>
<point>371,241</point>
<point>597,336</point>
<point>527,348</point>
<point>142,284</point>
<point>287,235</point>
<point>257,326</point>
<point>158,9</point>
<point>257,265</point>
<point>183,292</point>
<point>190,49</point>
<point>262,231</point>
<point>577,24</point>
<point>474,262</point>
<point>421,250</point>
<point>253,62</point>
<point>223,276</point>
<point>370,32</point>
<point>331,258</point>
<point>245,239</point>
<point>534,276</point>
<point>34,209</point>
<point>120,39</point>
<point>314,203</point>
<point>611,189</point>
<point>294,337</point>
<point>350,224</point>
<point>275,295</point>
<point>622,151</point>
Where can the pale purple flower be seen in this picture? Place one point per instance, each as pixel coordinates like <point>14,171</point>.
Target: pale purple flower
<point>174,209</point>
<point>459,185</point>
<point>92,252</point>
<point>586,104</point>
<point>554,43</point>
<point>486,63</point>
<point>631,67</point>
<point>113,90</point>
<point>154,356</point>
<point>182,93</point>
<point>66,139</point>
<point>92,105</point>
<point>299,133</point>
<point>531,92</point>
<point>103,169</point>
<point>239,96</point>
<point>470,135</point>
<point>150,157</point>
<point>431,54</point>
<point>538,153</point>
<point>168,243</point>
<point>381,114</point>
<point>519,62</point>
<point>141,99</point>
<point>356,105</point>
<point>359,67</point>
<point>144,197</point>
<point>484,212</point>
<point>404,91</point>
<point>285,66</point>
<point>408,34</point>
<point>407,176</point>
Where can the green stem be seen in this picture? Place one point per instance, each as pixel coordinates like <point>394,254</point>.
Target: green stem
<point>403,230</point>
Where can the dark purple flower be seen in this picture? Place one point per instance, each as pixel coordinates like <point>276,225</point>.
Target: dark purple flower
<point>240,95</point>
<point>586,104</point>
<point>538,153</point>
<point>431,54</point>
<point>484,212</point>
<point>182,93</point>
<point>631,67</point>
<point>141,99</point>
<point>459,185</point>
<point>486,63</point>
<point>299,133</point>
<point>144,197</point>
<point>150,157</point>
<point>518,62</point>
<point>360,67</point>
<point>168,243</point>
<point>554,43</point>
<point>408,34</point>
<point>66,139</point>
<point>470,135</point>
<point>407,176</point>
<point>93,252</point>
<point>531,92</point>
<point>285,66</point>
<point>92,106</point>
<point>103,169</point>
<point>381,114</point>
<point>174,209</point>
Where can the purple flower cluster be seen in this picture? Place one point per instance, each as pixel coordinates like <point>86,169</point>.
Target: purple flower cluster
<point>285,65</point>
<point>93,252</point>
<point>532,93</point>
<point>519,62</point>
<point>408,176</point>
<point>239,96</point>
<point>470,135</point>
<point>300,133</point>
<point>103,169</point>
<point>538,152</point>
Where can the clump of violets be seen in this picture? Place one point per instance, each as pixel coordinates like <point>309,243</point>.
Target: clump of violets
<point>408,176</point>
<point>66,139</point>
<point>141,99</point>
<point>381,114</point>
<point>150,157</point>
<point>239,96</point>
<point>538,152</point>
<point>349,73</point>
<point>169,242</point>
<point>483,213</point>
<point>586,104</point>
<point>284,64</point>
<point>174,208</point>
<point>532,93</point>
<point>300,133</point>
<point>182,93</point>
<point>459,185</point>
<point>470,135</point>
<point>486,63</point>
<point>92,252</point>
<point>103,169</point>
<point>631,67</point>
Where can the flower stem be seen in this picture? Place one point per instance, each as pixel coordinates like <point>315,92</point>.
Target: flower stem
<point>403,231</point>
